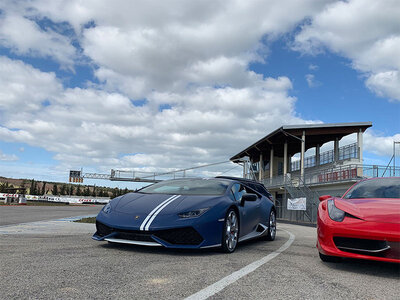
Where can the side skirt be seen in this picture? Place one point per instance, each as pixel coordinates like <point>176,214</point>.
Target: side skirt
<point>255,233</point>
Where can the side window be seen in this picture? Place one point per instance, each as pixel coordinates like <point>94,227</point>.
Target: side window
<point>237,191</point>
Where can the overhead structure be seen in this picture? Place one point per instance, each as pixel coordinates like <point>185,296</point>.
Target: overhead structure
<point>289,140</point>
<point>142,176</point>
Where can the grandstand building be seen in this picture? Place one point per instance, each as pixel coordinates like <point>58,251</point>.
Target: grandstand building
<point>291,165</point>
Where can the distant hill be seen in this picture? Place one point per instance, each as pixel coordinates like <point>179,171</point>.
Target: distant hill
<point>34,187</point>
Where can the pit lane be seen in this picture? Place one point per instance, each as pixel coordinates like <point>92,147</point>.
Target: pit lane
<point>67,264</point>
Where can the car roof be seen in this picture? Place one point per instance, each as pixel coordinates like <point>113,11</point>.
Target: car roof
<point>255,185</point>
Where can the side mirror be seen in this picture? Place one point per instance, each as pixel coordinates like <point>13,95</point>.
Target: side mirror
<point>324,197</point>
<point>248,197</point>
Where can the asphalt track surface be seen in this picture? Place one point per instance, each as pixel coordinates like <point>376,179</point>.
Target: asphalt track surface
<point>59,260</point>
<point>15,214</point>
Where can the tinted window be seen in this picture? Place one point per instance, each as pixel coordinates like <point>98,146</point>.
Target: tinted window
<point>237,191</point>
<point>187,187</point>
<point>260,188</point>
<point>375,188</point>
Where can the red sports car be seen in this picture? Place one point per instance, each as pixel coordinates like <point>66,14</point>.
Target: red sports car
<point>364,223</point>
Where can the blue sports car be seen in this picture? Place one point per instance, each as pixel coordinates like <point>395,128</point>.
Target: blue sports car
<point>190,213</point>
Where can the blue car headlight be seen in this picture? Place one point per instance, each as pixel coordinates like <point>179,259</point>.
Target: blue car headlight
<point>193,213</point>
<point>335,213</point>
<point>107,208</point>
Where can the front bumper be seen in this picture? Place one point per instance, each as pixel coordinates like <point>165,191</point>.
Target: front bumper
<point>355,238</point>
<point>183,237</point>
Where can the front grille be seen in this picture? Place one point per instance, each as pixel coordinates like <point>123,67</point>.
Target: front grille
<point>135,236</point>
<point>362,246</point>
<point>180,236</point>
<point>103,230</point>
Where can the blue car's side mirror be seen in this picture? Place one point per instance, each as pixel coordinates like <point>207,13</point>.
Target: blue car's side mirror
<point>248,197</point>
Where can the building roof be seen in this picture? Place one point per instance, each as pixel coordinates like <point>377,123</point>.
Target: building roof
<point>315,134</point>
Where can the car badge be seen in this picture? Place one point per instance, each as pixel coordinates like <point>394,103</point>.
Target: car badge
<point>137,217</point>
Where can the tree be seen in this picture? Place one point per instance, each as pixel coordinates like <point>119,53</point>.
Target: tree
<point>71,190</point>
<point>32,190</point>
<point>94,191</point>
<point>35,189</point>
<point>55,189</point>
<point>43,192</point>
<point>63,190</point>
<point>78,191</point>
<point>86,192</point>
<point>115,192</point>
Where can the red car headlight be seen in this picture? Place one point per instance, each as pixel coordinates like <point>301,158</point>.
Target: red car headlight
<point>335,213</point>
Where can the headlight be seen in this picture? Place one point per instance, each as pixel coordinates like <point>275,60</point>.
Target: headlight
<point>193,213</point>
<point>335,213</point>
<point>107,208</point>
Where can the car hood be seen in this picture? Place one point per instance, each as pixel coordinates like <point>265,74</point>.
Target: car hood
<point>372,210</point>
<point>142,204</point>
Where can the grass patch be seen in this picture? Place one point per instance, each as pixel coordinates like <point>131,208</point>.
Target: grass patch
<point>91,220</point>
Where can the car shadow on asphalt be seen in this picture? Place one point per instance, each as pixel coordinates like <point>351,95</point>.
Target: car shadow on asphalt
<point>368,267</point>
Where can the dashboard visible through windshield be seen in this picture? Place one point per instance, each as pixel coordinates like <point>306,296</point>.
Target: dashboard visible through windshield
<point>187,187</point>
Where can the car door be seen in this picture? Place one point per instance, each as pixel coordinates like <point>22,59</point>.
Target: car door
<point>249,212</point>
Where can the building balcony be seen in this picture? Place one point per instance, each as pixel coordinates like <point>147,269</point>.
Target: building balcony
<point>331,175</point>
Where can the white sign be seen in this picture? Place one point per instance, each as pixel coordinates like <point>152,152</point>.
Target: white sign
<point>296,204</point>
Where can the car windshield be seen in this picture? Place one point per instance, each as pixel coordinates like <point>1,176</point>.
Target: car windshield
<point>375,188</point>
<point>188,187</point>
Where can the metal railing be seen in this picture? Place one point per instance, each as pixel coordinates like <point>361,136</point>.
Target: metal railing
<point>345,152</point>
<point>333,173</point>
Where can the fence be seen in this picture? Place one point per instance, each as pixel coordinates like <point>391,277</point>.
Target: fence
<point>345,152</point>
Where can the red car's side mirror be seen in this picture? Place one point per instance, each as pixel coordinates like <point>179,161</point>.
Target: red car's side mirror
<point>324,197</point>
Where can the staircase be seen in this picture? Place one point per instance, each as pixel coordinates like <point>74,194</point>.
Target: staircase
<point>296,188</point>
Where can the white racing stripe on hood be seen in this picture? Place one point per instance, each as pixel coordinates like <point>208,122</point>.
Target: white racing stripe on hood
<point>154,210</point>
<point>158,211</point>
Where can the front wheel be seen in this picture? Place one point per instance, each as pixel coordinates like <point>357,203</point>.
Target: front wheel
<point>271,234</point>
<point>230,232</point>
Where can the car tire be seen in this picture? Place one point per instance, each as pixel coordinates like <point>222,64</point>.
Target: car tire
<point>271,233</point>
<point>230,232</point>
<point>330,259</point>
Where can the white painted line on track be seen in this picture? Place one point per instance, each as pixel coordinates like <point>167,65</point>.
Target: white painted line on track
<point>218,286</point>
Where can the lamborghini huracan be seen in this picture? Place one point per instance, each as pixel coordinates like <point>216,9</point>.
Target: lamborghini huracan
<point>190,213</point>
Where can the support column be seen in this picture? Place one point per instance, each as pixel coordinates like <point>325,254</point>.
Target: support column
<point>285,159</point>
<point>303,150</point>
<point>336,150</point>
<point>271,163</point>
<point>261,168</point>
<point>244,169</point>
<point>360,145</point>
<point>317,155</point>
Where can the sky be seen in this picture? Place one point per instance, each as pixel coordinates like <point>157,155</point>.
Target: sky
<point>163,85</point>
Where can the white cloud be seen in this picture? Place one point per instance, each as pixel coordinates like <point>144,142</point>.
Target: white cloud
<point>144,46</point>
<point>94,127</point>
<point>385,84</point>
<point>25,37</point>
<point>380,145</point>
<point>366,32</point>
<point>311,81</point>
<point>24,88</point>
<point>192,59</point>
<point>7,157</point>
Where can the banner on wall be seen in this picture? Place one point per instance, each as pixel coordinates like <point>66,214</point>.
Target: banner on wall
<point>296,204</point>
